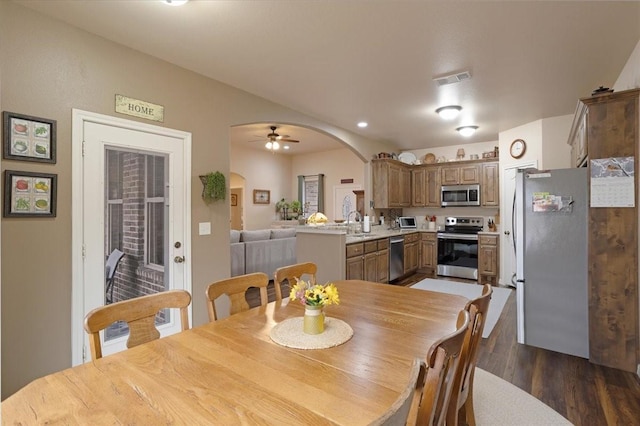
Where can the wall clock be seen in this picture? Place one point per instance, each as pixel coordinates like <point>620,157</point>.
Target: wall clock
<point>518,148</point>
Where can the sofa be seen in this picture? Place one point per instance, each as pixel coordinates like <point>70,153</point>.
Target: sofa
<point>262,250</point>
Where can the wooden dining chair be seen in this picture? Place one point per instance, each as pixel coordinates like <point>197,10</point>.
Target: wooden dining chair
<point>291,272</point>
<point>398,413</point>
<point>461,404</point>
<point>139,313</point>
<point>442,364</point>
<point>236,288</point>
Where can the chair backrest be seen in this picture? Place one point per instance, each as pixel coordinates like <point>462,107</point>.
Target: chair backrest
<point>398,414</point>
<point>442,363</point>
<point>291,272</point>
<point>139,313</point>
<point>112,263</point>
<point>236,288</point>
<point>478,309</point>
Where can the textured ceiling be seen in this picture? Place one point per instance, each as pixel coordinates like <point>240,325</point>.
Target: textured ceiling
<point>343,61</point>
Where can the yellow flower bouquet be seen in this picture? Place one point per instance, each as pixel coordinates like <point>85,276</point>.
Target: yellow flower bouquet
<point>314,295</point>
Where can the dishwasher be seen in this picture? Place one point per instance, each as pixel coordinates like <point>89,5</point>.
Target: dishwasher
<point>396,258</point>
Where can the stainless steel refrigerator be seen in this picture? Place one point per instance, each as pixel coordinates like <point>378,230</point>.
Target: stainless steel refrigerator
<point>550,235</point>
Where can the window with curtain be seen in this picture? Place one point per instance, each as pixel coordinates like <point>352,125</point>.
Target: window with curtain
<point>311,193</point>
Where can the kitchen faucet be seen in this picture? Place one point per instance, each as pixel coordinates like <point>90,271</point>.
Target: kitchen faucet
<point>359,217</point>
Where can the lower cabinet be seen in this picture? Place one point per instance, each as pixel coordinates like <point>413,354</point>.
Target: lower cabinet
<point>429,253</point>
<point>488,259</point>
<point>368,261</point>
<point>411,247</point>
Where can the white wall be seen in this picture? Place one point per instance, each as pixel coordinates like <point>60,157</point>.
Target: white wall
<point>629,78</point>
<point>556,152</point>
<point>261,170</point>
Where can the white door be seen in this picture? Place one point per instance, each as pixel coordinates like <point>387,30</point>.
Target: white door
<point>508,256</point>
<point>131,193</point>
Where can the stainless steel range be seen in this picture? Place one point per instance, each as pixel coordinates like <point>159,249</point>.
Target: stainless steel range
<point>458,247</point>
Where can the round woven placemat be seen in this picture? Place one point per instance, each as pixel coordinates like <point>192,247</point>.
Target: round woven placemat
<point>289,333</point>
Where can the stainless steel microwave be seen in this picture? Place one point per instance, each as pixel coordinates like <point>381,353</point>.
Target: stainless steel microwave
<point>460,195</point>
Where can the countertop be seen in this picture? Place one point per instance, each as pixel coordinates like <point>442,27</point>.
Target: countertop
<point>377,232</point>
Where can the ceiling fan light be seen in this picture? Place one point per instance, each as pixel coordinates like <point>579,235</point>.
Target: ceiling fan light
<point>268,145</point>
<point>449,112</point>
<point>467,130</point>
<point>175,2</point>
<point>286,147</point>
<point>276,145</point>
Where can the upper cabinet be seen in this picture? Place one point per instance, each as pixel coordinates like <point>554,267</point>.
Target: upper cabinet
<point>396,184</point>
<point>391,184</point>
<point>578,136</point>
<point>425,181</point>
<point>460,175</point>
<point>490,185</point>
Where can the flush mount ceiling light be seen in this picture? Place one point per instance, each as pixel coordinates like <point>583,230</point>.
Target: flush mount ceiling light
<point>467,130</point>
<point>175,2</point>
<point>449,112</point>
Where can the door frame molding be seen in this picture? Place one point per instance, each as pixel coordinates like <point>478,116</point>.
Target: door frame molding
<point>504,250</point>
<point>79,118</point>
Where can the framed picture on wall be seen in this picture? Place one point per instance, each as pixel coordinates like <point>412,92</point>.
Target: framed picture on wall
<point>29,194</point>
<point>261,196</point>
<point>234,199</point>
<point>28,138</point>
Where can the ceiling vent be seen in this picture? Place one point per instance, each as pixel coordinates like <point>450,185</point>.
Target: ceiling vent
<point>453,78</point>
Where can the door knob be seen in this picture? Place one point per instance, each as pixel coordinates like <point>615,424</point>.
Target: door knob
<point>178,259</point>
<point>507,232</point>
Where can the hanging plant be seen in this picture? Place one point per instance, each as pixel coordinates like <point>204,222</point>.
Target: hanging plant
<point>215,187</point>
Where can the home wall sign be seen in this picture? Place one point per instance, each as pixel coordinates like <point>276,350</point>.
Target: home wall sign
<point>138,108</point>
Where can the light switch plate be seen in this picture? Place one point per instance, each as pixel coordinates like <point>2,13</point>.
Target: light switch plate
<point>204,228</point>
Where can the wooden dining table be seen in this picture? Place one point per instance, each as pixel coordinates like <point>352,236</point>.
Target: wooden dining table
<point>231,372</point>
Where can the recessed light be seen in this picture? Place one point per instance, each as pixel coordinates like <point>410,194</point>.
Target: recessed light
<point>363,124</point>
<point>467,130</point>
<point>175,2</point>
<point>449,112</point>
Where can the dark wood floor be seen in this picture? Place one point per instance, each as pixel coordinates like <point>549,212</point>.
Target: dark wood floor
<point>585,393</point>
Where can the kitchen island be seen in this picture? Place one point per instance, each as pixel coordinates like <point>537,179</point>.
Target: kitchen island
<point>346,256</point>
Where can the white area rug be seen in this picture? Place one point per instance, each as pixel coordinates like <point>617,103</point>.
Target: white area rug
<point>470,291</point>
<point>499,403</point>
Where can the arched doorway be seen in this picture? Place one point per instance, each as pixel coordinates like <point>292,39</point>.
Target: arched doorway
<point>237,201</point>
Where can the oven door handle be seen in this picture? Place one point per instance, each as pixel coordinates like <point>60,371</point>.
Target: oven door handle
<point>468,237</point>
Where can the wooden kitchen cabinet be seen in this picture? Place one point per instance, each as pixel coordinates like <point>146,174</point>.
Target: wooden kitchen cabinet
<point>578,136</point>
<point>612,130</point>
<point>425,186</point>
<point>391,183</point>
<point>411,247</point>
<point>428,253</point>
<point>488,259</point>
<point>490,185</point>
<point>368,260</point>
<point>460,175</point>
<point>382,261</point>
<point>355,261</point>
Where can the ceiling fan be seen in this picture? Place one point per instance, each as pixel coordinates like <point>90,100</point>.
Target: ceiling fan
<point>274,140</point>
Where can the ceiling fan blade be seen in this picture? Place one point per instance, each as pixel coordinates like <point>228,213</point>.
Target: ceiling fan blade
<point>289,140</point>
